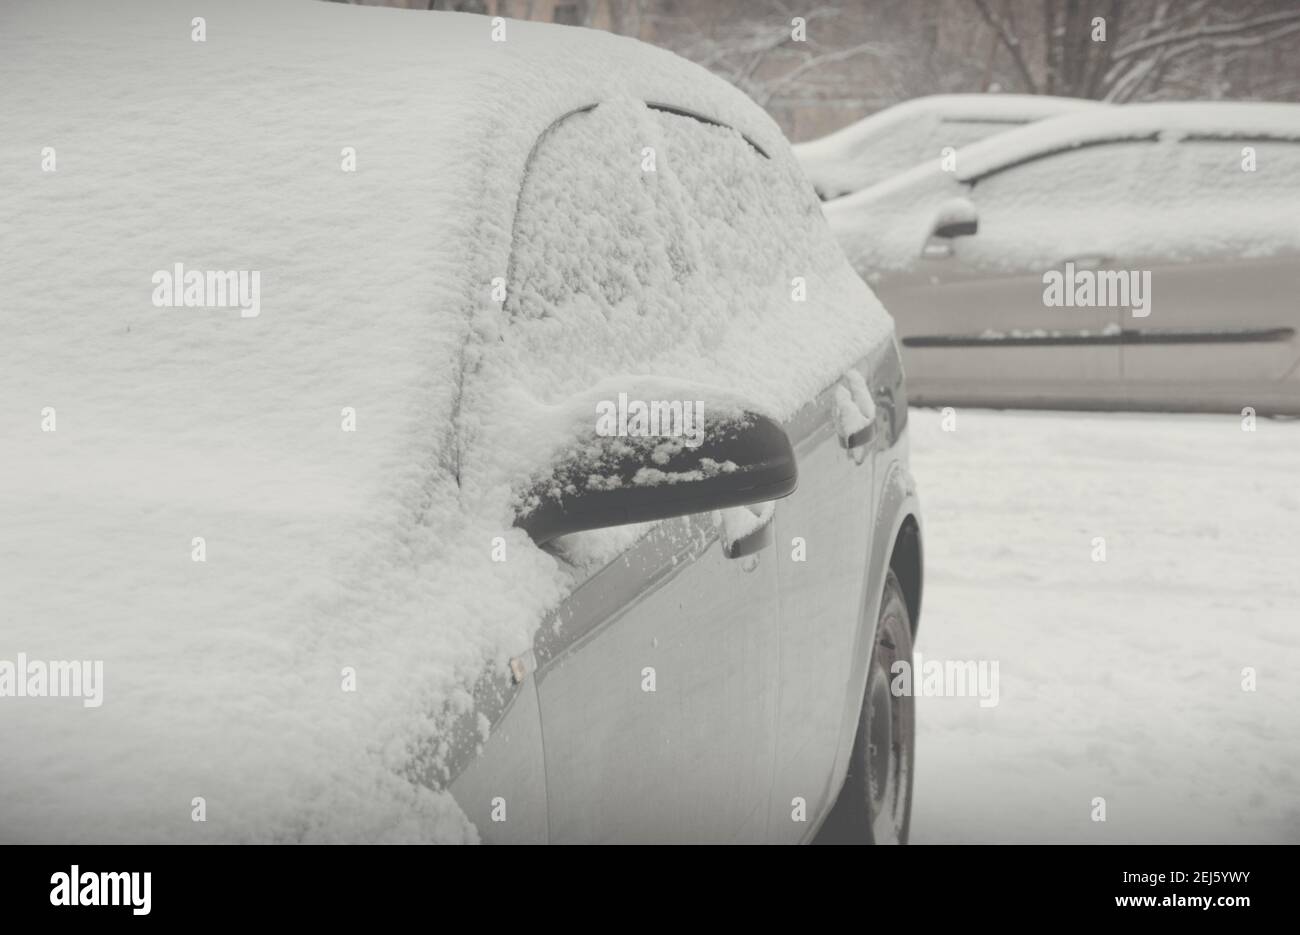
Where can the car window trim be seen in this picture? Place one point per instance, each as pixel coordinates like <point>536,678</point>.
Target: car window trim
<point>1008,121</point>
<point>1152,137</point>
<point>692,115</point>
<point>1128,336</point>
<point>523,183</point>
<point>1212,137</point>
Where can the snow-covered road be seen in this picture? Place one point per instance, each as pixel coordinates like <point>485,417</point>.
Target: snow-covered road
<point>1120,679</point>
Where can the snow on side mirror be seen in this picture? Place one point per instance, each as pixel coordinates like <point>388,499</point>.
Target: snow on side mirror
<point>611,481</point>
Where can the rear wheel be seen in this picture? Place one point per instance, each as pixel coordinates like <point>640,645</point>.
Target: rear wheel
<point>875,804</point>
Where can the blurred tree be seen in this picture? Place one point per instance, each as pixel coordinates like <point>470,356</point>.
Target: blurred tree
<point>1122,50</point>
<point>858,56</point>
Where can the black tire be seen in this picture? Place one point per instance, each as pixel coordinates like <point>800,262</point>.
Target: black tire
<point>875,803</point>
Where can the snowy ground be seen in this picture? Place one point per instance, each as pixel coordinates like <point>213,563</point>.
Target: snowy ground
<point>1121,679</point>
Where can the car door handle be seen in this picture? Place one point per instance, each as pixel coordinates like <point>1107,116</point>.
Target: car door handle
<point>858,439</point>
<point>746,530</point>
<point>855,413</point>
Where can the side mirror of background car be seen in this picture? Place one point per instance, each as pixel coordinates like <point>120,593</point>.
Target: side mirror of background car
<point>613,480</point>
<point>955,218</point>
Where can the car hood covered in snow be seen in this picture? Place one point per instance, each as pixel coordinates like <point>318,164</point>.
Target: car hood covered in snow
<point>264,526</point>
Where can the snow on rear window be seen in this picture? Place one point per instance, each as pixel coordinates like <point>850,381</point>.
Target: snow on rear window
<point>1204,200</point>
<point>1048,209</point>
<point>1134,200</point>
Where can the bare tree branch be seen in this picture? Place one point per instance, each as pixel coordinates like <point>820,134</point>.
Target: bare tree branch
<point>1011,42</point>
<point>816,62</point>
<point>1206,32</point>
<point>1251,42</point>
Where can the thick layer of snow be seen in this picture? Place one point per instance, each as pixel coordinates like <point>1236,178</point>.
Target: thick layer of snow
<point>328,552</point>
<point>1120,679</point>
<point>1170,199</point>
<point>673,262</point>
<point>899,137</point>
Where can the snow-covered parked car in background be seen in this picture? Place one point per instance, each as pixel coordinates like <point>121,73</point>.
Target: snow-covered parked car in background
<point>897,138</point>
<point>1146,256</point>
<point>538,472</point>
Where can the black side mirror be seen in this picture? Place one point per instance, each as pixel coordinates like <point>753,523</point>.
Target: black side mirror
<point>955,218</point>
<point>962,228</point>
<point>611,481</point>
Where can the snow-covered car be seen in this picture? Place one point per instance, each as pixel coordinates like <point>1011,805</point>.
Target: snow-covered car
<point>1145,256</point>
<point>551,486</point>
<point>925,128</point>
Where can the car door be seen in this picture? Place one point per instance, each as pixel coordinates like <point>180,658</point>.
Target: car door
<point>1222,227</point>
<point>657,678</point>
<point>823,531</point>
<point>657,684</point>
<point>974,320</point>
<point>823,528</point>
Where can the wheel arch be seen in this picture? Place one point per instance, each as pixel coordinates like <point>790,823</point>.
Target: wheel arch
<point>906,562</point>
